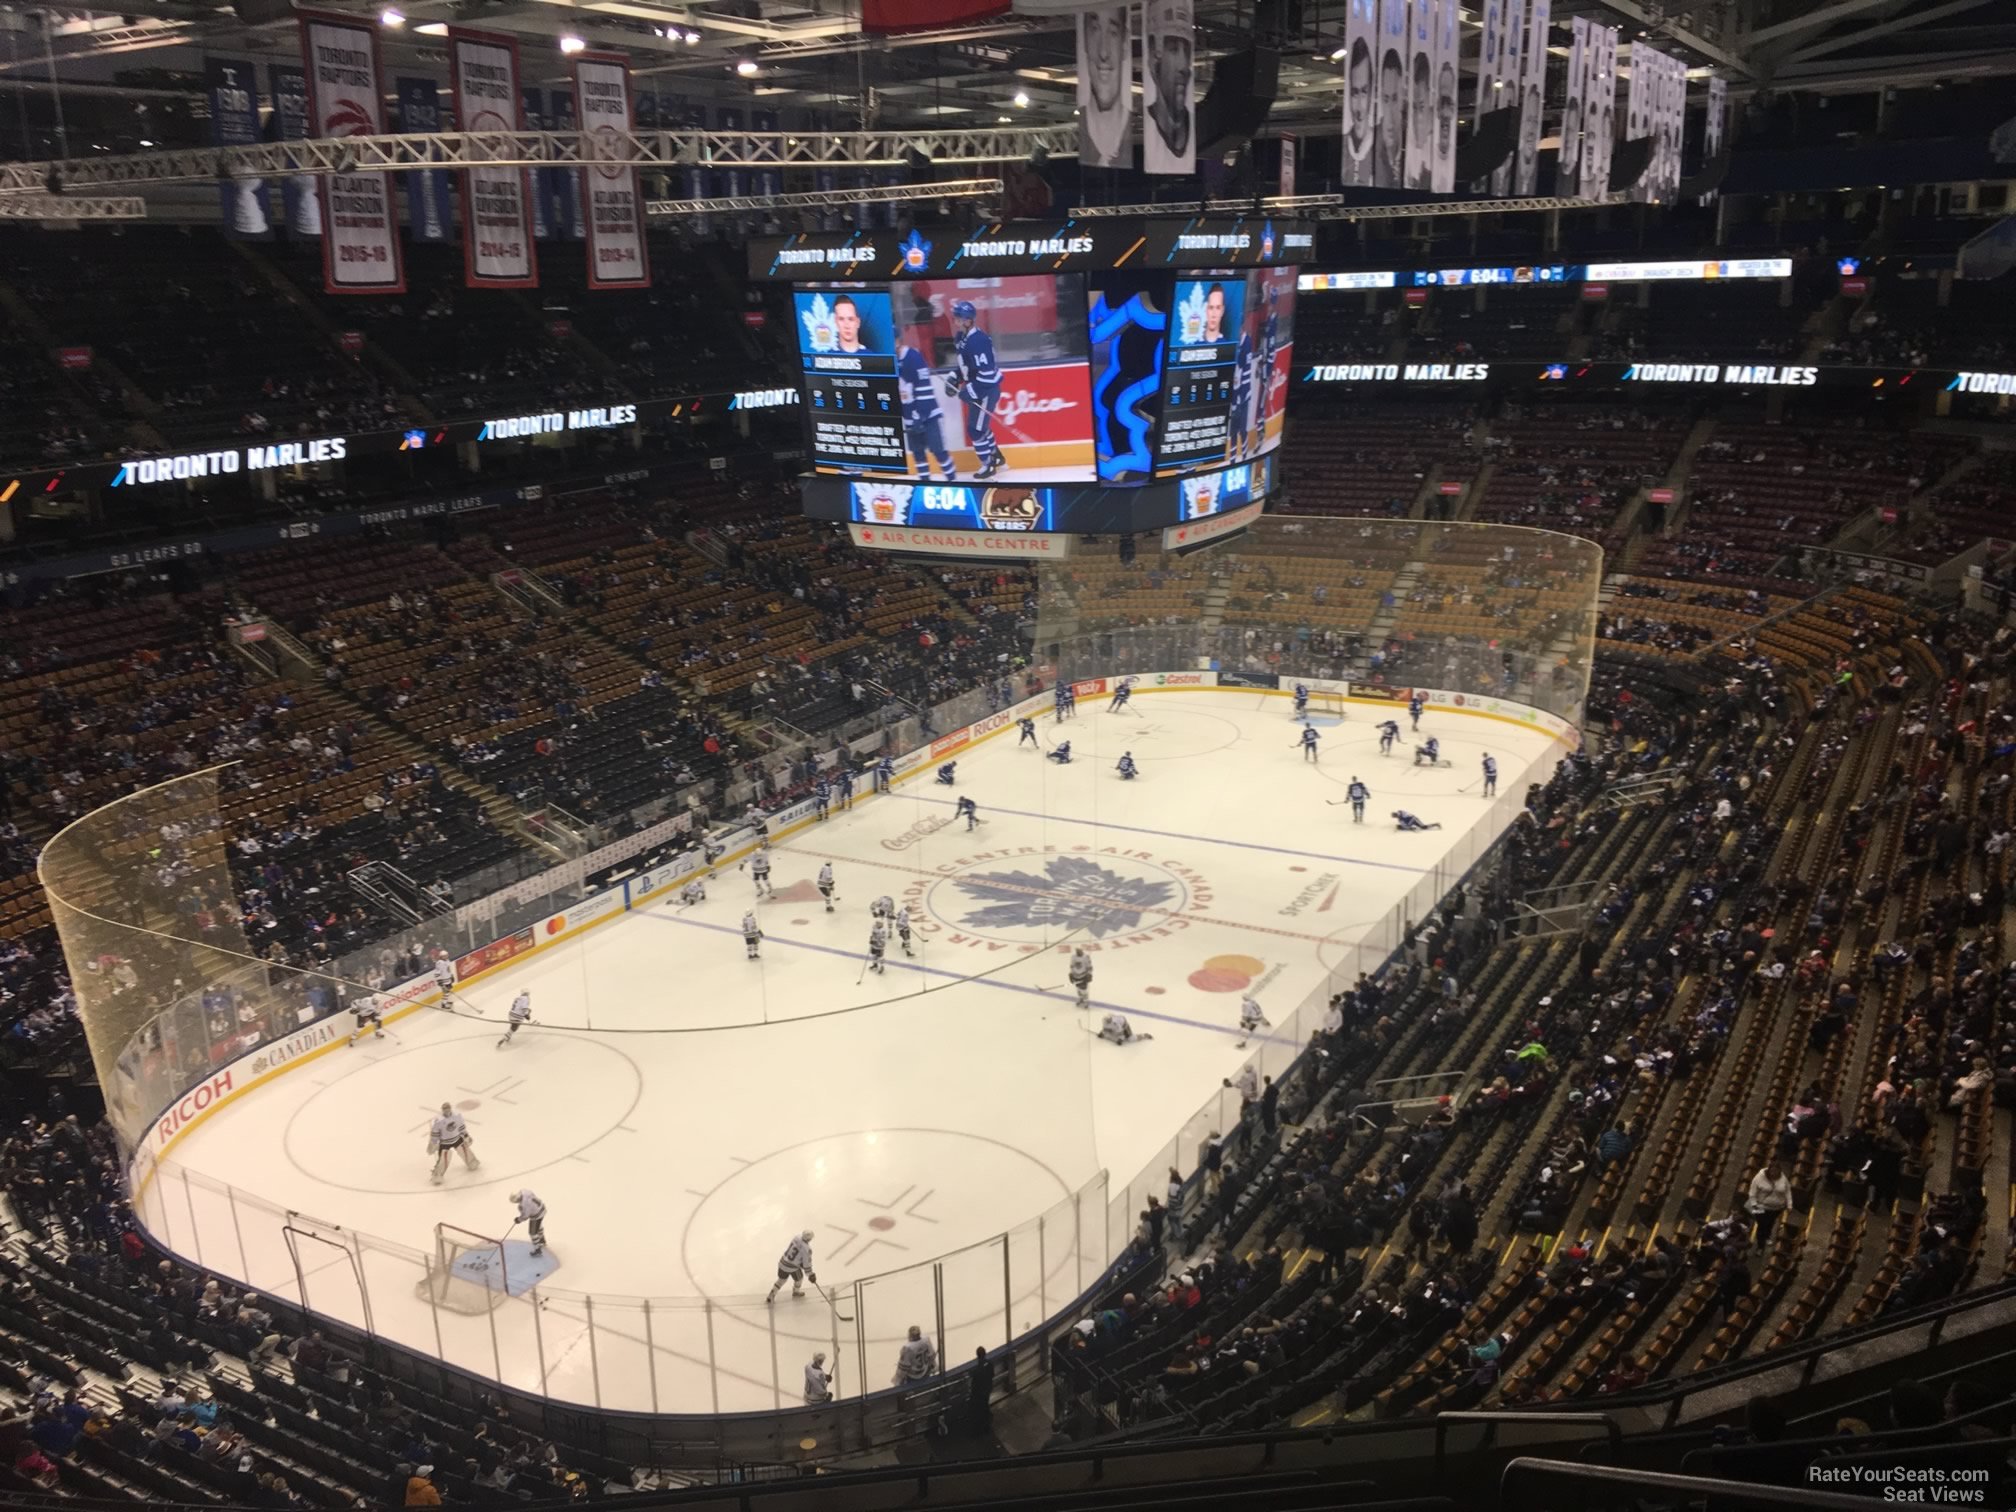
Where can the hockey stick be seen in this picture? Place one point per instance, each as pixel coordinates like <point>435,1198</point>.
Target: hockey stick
<point>834,1303</point>
<point>859,977</point>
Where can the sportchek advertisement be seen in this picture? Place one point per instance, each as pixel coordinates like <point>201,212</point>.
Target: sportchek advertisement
<point>360,240</point>
<point>497,202</point>
<point>615,209</point>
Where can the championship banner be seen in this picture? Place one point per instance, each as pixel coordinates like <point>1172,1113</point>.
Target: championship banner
<point>1718,115</point>
<point>1361,32</point>
<point>1168,103</point>
<point>1510,91</point>
<point>233,88</point>
<point>1389,133</point>
<point>1532,98</point>
<point>694,177</point>
<point>429,218</point>
<point>1568,166</point>
<point>497,250</point>
<point>290,124</point>
<point>1105,86</point>
<point>1448,59</point>
<point>565,183</point>
<point>538,181</point>
<point>1490,66</point>
<point>360,228</point>
<point>616,254</point>
<point>769,181</point>
<point>1285,187</point>
<point>728,181</point>
<point>1421,95</point>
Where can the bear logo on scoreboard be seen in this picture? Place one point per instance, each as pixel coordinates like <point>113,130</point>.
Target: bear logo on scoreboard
<point>1010,509</point>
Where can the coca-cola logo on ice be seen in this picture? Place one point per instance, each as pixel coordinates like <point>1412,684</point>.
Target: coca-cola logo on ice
<point>1013,407</point>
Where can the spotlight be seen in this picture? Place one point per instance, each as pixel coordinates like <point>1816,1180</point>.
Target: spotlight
<point>1021,99</point>
<point>572,44</point>
<point>1339,55</point>
<point>747,68</point>
<point>692,39</point>
<point>391,17</point>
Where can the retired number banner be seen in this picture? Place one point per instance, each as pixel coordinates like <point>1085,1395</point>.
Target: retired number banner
<point>614,209</point>
<point>497,203</point>
<point>360,227</point>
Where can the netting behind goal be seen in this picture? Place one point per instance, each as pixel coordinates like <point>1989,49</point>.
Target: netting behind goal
<point>468,1273</point>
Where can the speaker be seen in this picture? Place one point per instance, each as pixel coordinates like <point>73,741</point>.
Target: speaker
<point>1707,180</point>
<point>1241,94</point>
<point>1629,162</point>
<point>1490,145</point>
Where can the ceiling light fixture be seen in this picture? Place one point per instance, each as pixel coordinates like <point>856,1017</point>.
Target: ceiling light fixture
<point>1021,99</point>
<point>692,38</point>
<point>572,44</point>
<point>747,68</point>
<point>431,29</point>
<point>391,17</point>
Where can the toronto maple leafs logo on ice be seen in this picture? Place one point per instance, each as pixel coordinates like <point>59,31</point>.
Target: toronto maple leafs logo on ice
<point>1070,893</point>
<point>820,335</point>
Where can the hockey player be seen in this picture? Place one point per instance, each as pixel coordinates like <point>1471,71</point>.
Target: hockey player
<point>1407,821</point>
<point>1251,1018</point>
<point>1415,704</point>
<point>1263,372</point>
<point>967,809</point>
<point>977,386</point>
<point>367,1010</point>
<point>1490,775</point>
<point>1028,735</point>
<point>1241,407</point>
<point>1248,1083</point>
<point>1430,751</point>
<point>885,774</point>
<point>843,782</point>
<point>1357,793</point>
<point>1116,1030</point>
<point>711,852</point>
<point>444,979</point>
<point>1060,698</point>
<point>759,870</point>
<point>923,421</point>
<point>532,1213</point>
<point>521,1014</point>
<point>752,936</point>
<point>948,773</point>
<point>1309,739</point>
<point>1301,702</point>
<point>917,1360</point>
<point>1062,754</point>
<point>1126,768</point>
<point>903,929</point>
<point>1080,974</point>
<point>1121,693</point>
<point>822,799</point>
<point>693,892</point>
<point>450,1132</point>
<point>1389,734</point>
<point>818,1381</point>
<point>795,1266</point>
<point>826,884</point>
<point>878,947</point>
<point>883,907</point>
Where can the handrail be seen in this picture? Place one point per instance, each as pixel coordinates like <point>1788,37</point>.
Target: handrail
<point>1491,1420</point>
<point>1696,1488</point>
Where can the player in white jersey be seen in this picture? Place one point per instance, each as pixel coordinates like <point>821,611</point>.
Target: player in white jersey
<point>818,1381</point>
<point>916,1360</point>
<point>693,892</point>
<point>1251,1018</point>
<point>532,1213</point>
<point>1118,1031</point>
<point>752,936</point>
<point>883,907</point>
<point>1248,1083</point>
<point>826,884</point>
<point>367,1009</point>
<point>795,1266</point>
<point>759,870</point>
<point>1080,974</point>
<point>450,1132</point>
<point>521,1014</point>
<point>878,946</point>
<point>444,979</point>
<point>903,929</point>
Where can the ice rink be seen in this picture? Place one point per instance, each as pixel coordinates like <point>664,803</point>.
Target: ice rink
<point>684,1111</point>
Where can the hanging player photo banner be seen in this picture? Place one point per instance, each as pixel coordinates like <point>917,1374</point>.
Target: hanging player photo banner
<point>429,217</point>
<point>360,229</point>
<point>497,250</point>
<point>1599,113</point>
<point>290,124</point>
<point>1676,125</point>
<point>1718,115</point>
<point>1169,109</point>
<point>1507,93</point>
<point>1361,35</point>
<point>233,88</point>
<point>1490,60</point>
<point>1637,109</point>
<point>616,252</point>
<point>1105,86</point>
<point>1532,97</point>
<point>1448,58</point>
<point>1419,92</point>
<point>1568,165</point>
<point>1389,131</point>
<point>565,182</point>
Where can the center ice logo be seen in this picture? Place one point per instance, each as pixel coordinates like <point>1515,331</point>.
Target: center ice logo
<point>1070,893</point>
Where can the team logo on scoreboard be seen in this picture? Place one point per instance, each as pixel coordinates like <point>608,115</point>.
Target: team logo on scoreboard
<point>1267,242</point>
<point>916,253</point>
<point>1010,509</point>
<point>1190,316</point>
<point>884,503</point>
<point>821,335</point>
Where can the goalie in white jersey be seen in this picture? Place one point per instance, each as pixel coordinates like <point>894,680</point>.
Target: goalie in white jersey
<point>532,1213</point>
<point>521,1014</point>
<point>795,1266</point>
<point>450,1132</point>
<point>444,979</point>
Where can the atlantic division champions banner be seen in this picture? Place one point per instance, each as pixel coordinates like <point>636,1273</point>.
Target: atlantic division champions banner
<point>360,228</point>
<point>497,247</point>
<point>233,87</point>
<point>615,210</point>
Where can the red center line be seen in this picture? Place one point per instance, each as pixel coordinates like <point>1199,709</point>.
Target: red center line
<point>1044,892</point>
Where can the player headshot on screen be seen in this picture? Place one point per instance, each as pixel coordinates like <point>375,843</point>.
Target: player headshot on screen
<point>847,325</point>
<point>1169,61</point>
<point>1358,104</point>
<point>1214,314</point>
<point>1392,122</point>
<point>1422,98</point>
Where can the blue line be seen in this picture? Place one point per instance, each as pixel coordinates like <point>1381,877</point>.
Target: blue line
<point>938,971</point>
<point>1132,829</point>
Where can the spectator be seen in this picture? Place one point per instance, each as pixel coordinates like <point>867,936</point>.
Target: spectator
<point>420,1488</point>
<point>1770,1196</point>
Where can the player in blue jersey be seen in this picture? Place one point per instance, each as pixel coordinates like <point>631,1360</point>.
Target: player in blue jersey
<point>1126,768</point>
<point>1061,753</point>
<point>923,420</point>
<point>1357,793</point>
<point>1242,395</point>
<point>1490,775</point>
<point>1301,702</point>
<point>1415,704</point>
<point>1388,733</point>
<point>1263,371</point>
<point>1309,739</point>
<point>977,386</point>
<point>1429,751</point>
<point>1407,821</point>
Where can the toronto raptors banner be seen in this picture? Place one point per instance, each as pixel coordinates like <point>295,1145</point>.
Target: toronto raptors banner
<point>360,228</point>
<point>1169,108</point>
<point>497,245</point>
<point>1568,166</point>
<point>1361,84</point>
<point>614,208</point>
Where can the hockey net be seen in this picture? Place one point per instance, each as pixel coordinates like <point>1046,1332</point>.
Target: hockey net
<point>1327,703</point>
<point>468,1272</point>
